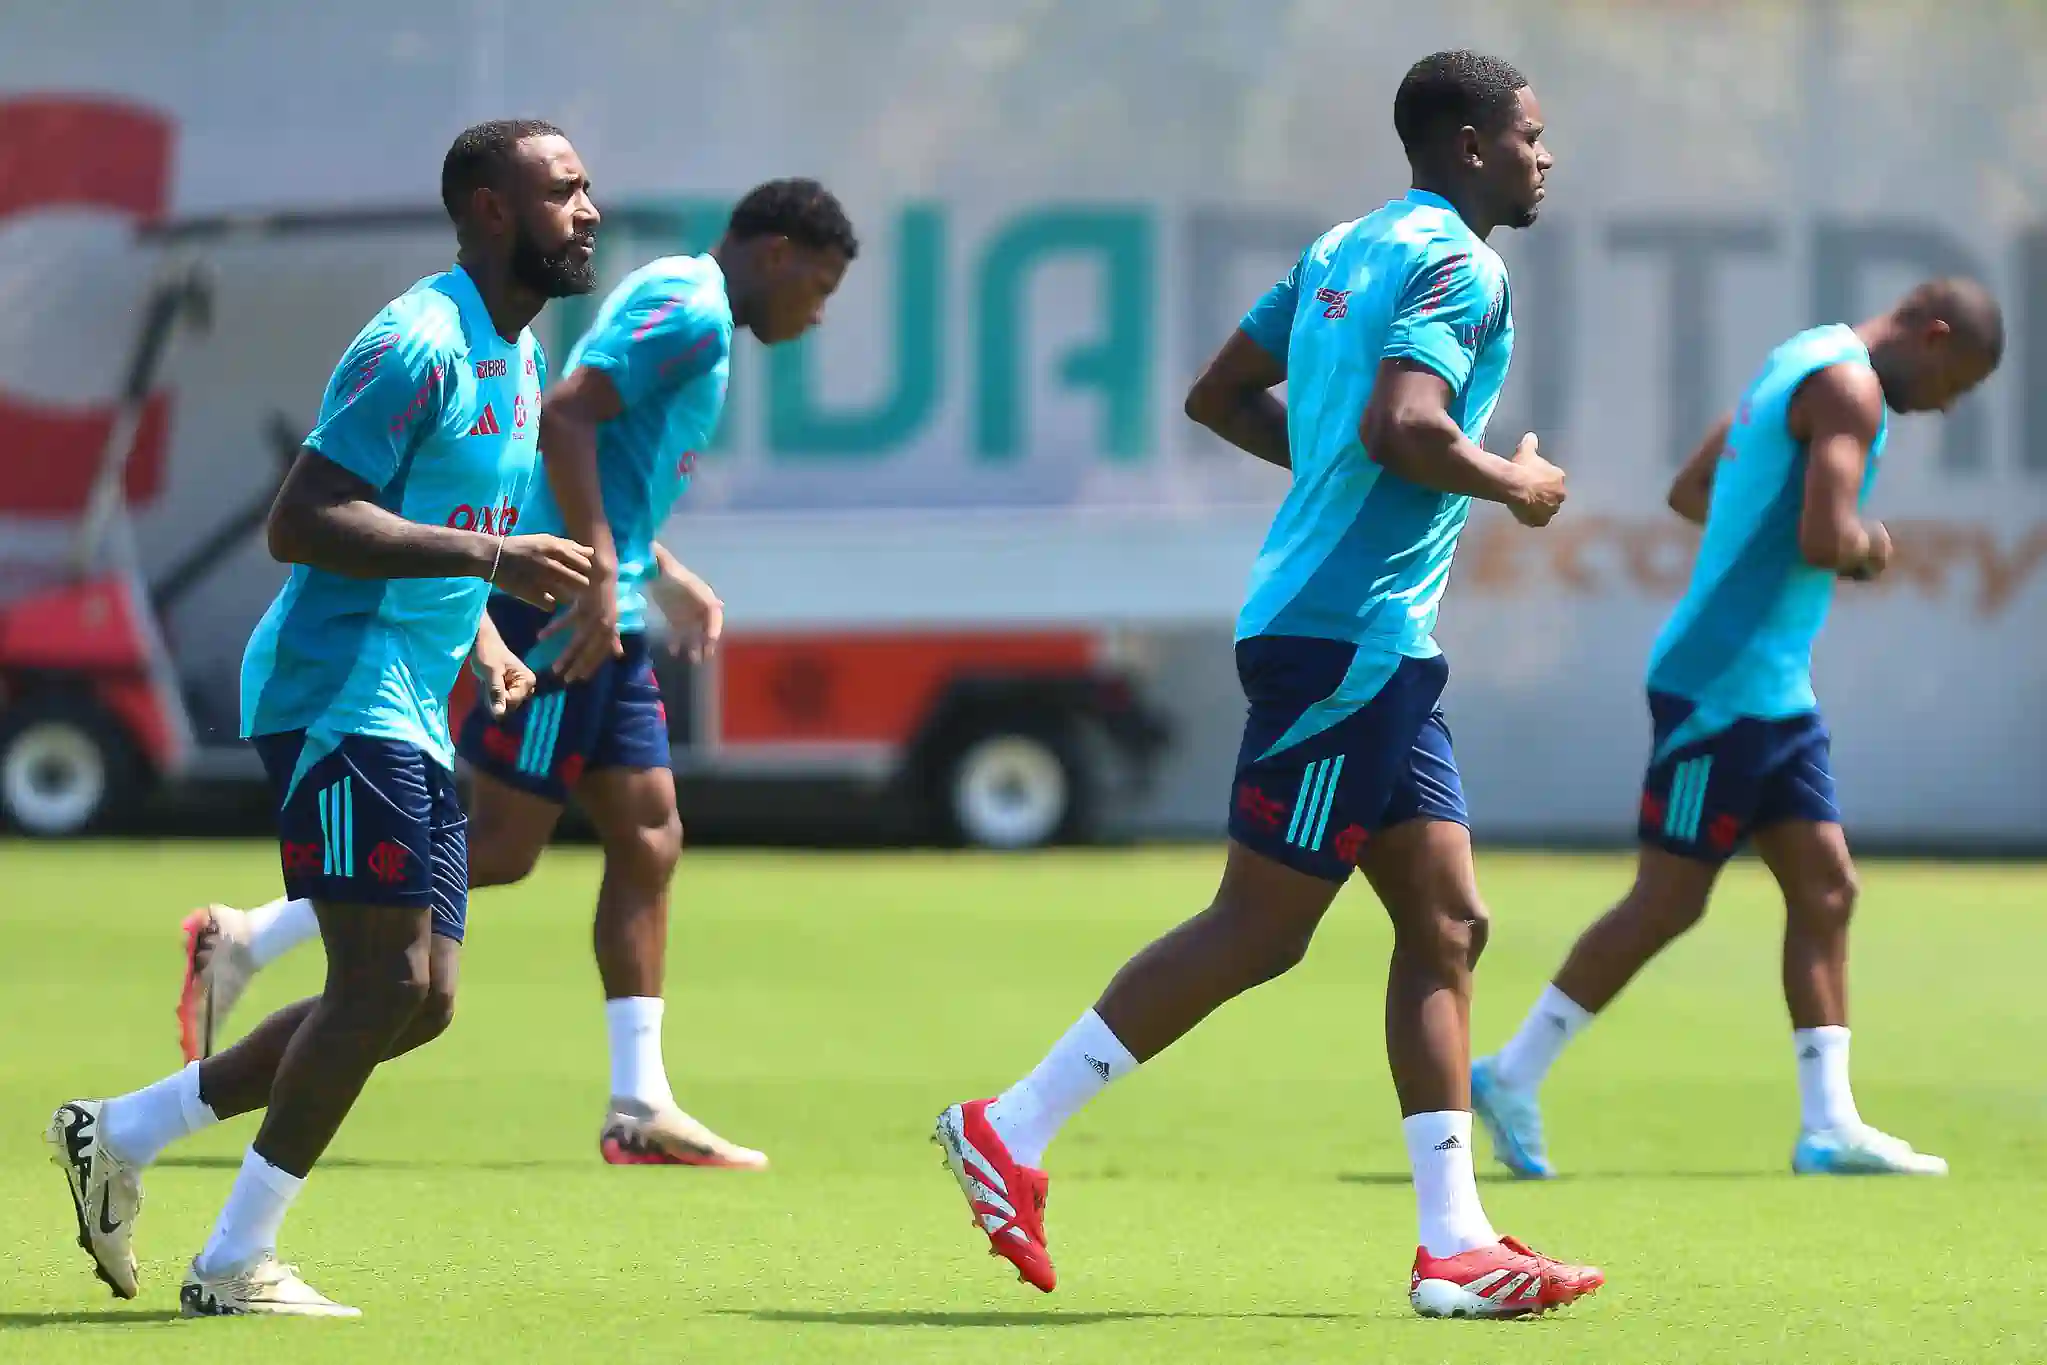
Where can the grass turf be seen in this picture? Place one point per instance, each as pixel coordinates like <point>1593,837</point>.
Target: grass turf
<point>1243,1198</point>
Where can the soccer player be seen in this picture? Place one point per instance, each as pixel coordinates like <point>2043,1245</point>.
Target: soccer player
<point>642,393</point>
<point>394,519</point>
<point>1393,334</point>
<point>1740,750</point>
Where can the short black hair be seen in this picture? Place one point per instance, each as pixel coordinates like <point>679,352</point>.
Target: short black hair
<point>480,156</point>
<point>1970,311</point>
<point>802,210</point>
<point>1446,91</point>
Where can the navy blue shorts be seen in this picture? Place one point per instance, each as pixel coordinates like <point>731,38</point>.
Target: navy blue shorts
<point>1706,795</point>
<point>374,822</point>
<point>612,720</point>
<point>1315,804</point>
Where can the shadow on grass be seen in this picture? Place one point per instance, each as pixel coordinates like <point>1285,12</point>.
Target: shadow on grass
<point>1402,1179</point>
<point>109,1317</point>
<point>375,1163</point>
<point>936,1318</point>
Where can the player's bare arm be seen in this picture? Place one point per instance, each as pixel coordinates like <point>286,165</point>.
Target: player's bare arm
<point>327,518</point>
<point>1233,398</point>
<point>1408,431</point>
<point>695,613</point>
<point>1837,414</point>
<point>569,418</point>
<point>1692,490</point>
<point>502,676</point>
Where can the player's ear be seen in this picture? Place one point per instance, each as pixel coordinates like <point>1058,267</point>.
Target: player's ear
<point>1470,154</point>
<point>487,210</point>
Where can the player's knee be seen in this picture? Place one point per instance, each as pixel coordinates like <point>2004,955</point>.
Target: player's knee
<point>1269,942</point>
<point>1448,935</point>
<point>495,861</point>
<point>436,1014</point>
<point>1668,914</point>
<point>1479,931</point>
<point>386,995</point>
<point>648,853</point>
<point>1829,905</point>
<point>1285,951</point>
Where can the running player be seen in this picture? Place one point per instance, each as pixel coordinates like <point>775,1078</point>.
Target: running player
<point>642,394</point>
<point>394,519</point>
<point>1393,334</point>
<point>1740,749</point>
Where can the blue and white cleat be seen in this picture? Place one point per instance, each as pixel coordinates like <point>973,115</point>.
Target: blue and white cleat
<point>1515,1121</point>
<point>1861,1151</point>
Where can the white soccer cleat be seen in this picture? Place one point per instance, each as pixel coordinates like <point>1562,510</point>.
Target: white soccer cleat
<point>268,1288</point>
<point>221,935</point>
<point>106,1193</point>
<point>635,1135</point>
<point>1861,1151</point>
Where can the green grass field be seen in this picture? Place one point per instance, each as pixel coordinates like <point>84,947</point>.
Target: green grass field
<point>1243,1198</point>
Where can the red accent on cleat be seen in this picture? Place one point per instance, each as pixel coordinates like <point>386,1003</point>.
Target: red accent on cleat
<point>1504,1280</point>
<point>1007,1199</point>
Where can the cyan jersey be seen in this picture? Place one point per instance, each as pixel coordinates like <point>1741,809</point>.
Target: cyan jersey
<point>1357,554</point>
<point>438,413</point>
<point>664,338</point>
<point>1740,643</point>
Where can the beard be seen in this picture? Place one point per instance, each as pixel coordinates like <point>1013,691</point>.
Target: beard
<point>554,274</point>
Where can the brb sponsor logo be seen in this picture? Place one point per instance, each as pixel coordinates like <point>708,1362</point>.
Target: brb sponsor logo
<point>303,859</point>
<point>492,521</point>
<point>1258,808</point>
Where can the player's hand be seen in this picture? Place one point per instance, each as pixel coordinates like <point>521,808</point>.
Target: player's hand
<point>591,623</point>
<point>696,618</point>
<point>542,570</point>
<point>503,680</point>
<point>1879,557</point>
<point>1542,486</point>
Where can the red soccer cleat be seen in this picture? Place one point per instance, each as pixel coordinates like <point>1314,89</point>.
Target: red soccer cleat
<point>1504,1280</point>
<point>1007,1199</point>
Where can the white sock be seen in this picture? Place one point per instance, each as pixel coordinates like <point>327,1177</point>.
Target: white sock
<point>139,1126</point>
<point>277,928</point>
<point>637,1073</point>
<point>1445,1187</point>
<point>1029,1114</point>
<point>1825,1100</point>
<point>1530,1053</point>
<point>249,1222</point>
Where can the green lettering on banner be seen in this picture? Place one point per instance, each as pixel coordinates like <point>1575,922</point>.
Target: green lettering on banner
<point>798,423</point>
<point>1117,362</point>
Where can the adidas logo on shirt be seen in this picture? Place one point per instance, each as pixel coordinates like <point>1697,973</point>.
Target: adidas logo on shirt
<point>487,425</point>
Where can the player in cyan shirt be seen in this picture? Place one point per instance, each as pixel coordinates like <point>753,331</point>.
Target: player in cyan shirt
<point>396,521</point>
<point>1741,752</point>
<point>641,395</point>
<point>1392,335</point>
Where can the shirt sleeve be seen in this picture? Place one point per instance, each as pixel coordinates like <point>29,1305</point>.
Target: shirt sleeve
<point>1442,317</point>
<point>657,342</point>
<point>1271,320</point>
<point>392,383</point>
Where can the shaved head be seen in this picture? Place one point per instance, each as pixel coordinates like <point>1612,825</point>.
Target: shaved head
<point>1967,308</point>
<point>1938,342</point>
